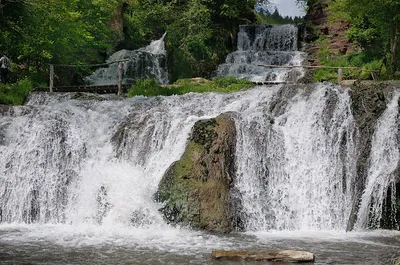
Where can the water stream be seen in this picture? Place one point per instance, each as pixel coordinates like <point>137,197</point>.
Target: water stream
<point>146,62</point>
<point>264,45</point>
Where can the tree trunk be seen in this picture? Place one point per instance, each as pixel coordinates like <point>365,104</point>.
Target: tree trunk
<point>393,47</point>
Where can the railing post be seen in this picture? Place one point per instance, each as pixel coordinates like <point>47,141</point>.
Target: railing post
<point>119,79</point>
<point>294,77</point>
<point>51,83</point>
<point>339,75</point>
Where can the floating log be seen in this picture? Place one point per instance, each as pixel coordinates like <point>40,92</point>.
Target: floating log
<point>266,255</point>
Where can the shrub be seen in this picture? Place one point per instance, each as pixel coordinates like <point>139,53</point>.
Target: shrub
<point>145,87</point>
<point>16,93</point>
<point>149,87</point>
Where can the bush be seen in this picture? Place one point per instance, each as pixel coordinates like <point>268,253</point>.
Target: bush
<point>145,87</point>
<point>16,93</point>
<point>365,61</point>
<point>149,87</point>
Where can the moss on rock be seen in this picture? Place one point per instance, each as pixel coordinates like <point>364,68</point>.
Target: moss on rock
<point>195,190</point>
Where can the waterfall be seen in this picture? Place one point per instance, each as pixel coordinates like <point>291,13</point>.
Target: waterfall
<point>298,162</point>
<point>384,161</point>
<point>79,162</point>
<point>263,45</point>
<point>147,62</point>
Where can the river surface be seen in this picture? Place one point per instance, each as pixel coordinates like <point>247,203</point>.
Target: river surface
<point>64,244</point>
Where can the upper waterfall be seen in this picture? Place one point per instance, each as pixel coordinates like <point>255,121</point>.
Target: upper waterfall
<point>263,45</point>
<point>146,62</point>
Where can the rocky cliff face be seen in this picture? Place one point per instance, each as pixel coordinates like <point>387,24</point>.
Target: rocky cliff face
<point>368,104</point>
<point>195,190</point>
<point>319,27</point>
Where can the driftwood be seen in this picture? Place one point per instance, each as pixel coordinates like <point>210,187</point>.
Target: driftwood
<point>266,255</point>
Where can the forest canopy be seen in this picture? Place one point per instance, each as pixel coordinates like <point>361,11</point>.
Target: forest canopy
<point>36,33</point>
<point>200,33</point>
<point>375,25</point>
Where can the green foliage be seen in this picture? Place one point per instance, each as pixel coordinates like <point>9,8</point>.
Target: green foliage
<point>145,87</point>
<point>149,87</point>
<point>266,17</point>
<point>199,32</point>
<point>364,60</point>
<point>375,25</point>
<point>230,83</point>
<point>36,33</point>
<point>16,93</point>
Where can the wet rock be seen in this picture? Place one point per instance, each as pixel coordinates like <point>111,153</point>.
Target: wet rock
<point>195,190</point>
<point>4,109</point>
<point>266,255</point>
<point>368,104</point>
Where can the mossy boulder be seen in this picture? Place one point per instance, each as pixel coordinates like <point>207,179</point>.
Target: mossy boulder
<point>195,190</point>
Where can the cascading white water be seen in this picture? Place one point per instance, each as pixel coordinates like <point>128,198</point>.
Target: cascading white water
<point>264,45</point>
<point>99,162</point>
<point>298,162</point>
<point>384,161</point>
<point>147,62</point>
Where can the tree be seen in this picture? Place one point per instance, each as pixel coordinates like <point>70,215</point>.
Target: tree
<point>375,21</point>
<point>56,31</point>
<point>199,32</point>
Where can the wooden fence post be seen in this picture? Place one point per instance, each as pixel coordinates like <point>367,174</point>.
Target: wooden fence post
<point>294,77</point>
<point>119,79</point>
<point>51,83</point>
<point>339,75</point>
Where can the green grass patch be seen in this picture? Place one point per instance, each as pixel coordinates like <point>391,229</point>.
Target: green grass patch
<point>150,87</point>
<point>15,94</point>
<point>365,62</point>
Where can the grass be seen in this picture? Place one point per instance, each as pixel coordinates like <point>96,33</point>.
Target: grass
<point>360,59</point>
<point>150,87</point>
<point>15,94</point>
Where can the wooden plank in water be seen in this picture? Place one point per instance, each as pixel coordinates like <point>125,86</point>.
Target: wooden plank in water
<point>266,255</point>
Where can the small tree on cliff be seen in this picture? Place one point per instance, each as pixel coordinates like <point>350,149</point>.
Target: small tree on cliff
<point>375,21</point>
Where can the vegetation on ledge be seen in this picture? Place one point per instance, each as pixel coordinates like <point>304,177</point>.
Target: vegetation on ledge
<point>15,94</point>
<point>357,33</point>
<point>150,87</point>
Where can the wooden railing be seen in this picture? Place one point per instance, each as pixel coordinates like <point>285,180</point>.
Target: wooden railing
<point>119,74</point>
<point>118,87</point>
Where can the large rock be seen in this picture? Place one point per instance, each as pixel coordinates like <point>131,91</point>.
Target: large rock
<point>369,101</point>
<point>195,190</point>
<point>266,255</point>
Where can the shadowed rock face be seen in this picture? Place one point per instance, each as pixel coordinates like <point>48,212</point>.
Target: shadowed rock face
<point>195,190</point>
<point>368,104</point>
